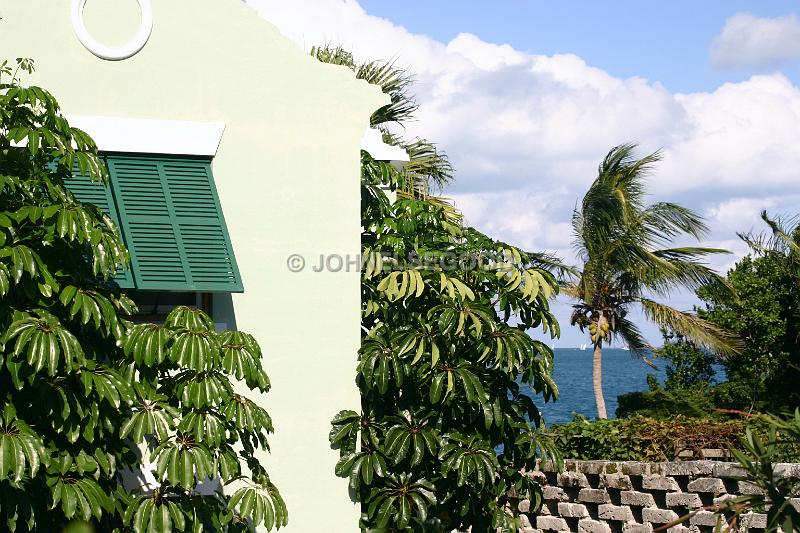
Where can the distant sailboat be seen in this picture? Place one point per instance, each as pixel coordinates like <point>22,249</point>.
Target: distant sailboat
<point>583,346</point>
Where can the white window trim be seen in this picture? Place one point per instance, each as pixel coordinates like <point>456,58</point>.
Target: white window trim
<point>151,136</point>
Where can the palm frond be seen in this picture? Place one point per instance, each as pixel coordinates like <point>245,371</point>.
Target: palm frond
<point>785,235</point>
<point>614,200</point>
<point>333,55</point>
<point>572,289</point>
<point>428,166</point>
<point>688,253</point>
<point>635,269</point>
<point>701,332</point>
<point>623,175</point>
<point>757,242</point>
<point>684,271</point>
<point>578,231</point>
<point>668,220</point>
<point>783,239</point>
<point>393,80</point>
<point>552,263</point>
<point>633,338</point>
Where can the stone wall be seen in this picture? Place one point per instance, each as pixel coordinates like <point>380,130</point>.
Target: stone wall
<point>611,497</point>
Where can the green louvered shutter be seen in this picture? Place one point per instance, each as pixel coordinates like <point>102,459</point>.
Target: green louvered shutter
<point>88,191</point>
<point>173,224</point>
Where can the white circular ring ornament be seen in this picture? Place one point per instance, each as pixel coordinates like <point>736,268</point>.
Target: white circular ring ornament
<point>113,53</point>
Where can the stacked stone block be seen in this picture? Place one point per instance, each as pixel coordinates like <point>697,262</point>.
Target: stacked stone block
<point>630,497</point>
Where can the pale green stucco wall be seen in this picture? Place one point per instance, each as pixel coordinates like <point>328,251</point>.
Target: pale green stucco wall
<point>288,178</point>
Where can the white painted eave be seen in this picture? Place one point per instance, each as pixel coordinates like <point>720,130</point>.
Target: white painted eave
<point>373,143</point>
<point>151,136</point>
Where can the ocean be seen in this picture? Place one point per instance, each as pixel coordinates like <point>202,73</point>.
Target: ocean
<point>573,375</point>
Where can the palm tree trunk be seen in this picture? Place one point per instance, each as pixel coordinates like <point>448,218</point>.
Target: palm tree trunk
<point>597,380</point>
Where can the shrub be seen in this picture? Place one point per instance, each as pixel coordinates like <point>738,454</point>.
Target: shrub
<point>646,439</point>
<point>763,312</point>
<point>446,363</point>
<point>689,367</point>
<point>85,392</point>
<point>699,402</point>
<point>660,403</point>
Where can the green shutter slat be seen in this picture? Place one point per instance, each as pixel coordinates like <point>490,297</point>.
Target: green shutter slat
<point>88,191</point>
<point>171,214</point>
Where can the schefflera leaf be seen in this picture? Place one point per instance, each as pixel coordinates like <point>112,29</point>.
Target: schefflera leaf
<point>228,463</point>
<point>203,389</point>
<point>262,503</point>
<point>205,426</point>
<point>399,498</point>
<point>90,305</point>
<point>189,318</point>
<point>247,415</point>
<point>346,426</point>
<point>107,383</point>
<point>155,514</point>
<point>196,349</point>
<point>183,461</point>
<point>21,449</point>
<point>45,343</point>
<point>147,344</point>
<point>79,497</point>
<point>361,466</point>
<point>241,358</point>
<point>150,417</point>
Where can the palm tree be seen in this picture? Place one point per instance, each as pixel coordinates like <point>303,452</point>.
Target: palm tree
<point>624,246</point>
<point>784,239</point>
<point>428,167</point>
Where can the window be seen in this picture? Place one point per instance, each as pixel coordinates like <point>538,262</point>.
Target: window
<point>154,306</point>
<point>170,218</point>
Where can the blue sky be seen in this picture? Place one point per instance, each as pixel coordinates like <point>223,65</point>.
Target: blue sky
<point>662,41</point>
<point>526,97</point>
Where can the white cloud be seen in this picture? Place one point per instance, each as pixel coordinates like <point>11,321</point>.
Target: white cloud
<point>739,137</point>
<point>739,214</point>
<point>526,132</point>
<point>532,220</point>
<point>486,56</point>
<point>748,41</point>
<point>743,215</point>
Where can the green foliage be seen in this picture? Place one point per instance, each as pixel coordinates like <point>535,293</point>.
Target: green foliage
<point>602,439</point>
<point>762,310</point>
<point>623,244</point>
<point>641,438</point>
<point>688,365</point>
<point>758,455</point>
<point>86,392</point>
<point>664,404</point>
<point>764,313</point>
<point>445,426</point>
<point>428,166</point>
<point>687,390</point>
<point>442,356</point>
<point>394,81</point>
